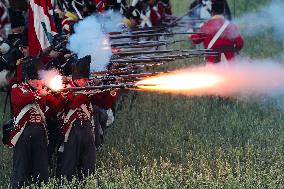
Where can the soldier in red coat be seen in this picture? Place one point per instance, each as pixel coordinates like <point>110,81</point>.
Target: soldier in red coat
<point>144,12</point>
<point>149,14</point>
<point>29,134</point>
<point>78,149</point>
<point>100,5</point>
<point>219,34</point>
<point>103,115</point>
<point>164,9</point>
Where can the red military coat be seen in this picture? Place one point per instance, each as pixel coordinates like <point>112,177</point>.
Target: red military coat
<point>27,106</point>
<point>104,100</point>
<point>55,104</point>
<point>100,5</point>
<point>78,107</point>
<point>164,9</point>
<point>228,43</point>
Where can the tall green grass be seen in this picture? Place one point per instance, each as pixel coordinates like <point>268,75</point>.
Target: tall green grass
<point>165,141</point>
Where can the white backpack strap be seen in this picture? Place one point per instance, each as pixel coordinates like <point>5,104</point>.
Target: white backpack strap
<point>23,111</point>
<point>218,34</point>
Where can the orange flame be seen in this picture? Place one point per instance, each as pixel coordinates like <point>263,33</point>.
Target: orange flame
<point>55,83</point>
<point>181,82</point>
<point>244,78</point>
<point>52,79</point>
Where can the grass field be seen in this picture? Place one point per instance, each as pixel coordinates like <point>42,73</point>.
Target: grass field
<point>164,141</point>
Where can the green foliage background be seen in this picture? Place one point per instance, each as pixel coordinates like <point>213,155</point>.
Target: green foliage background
<point>165,141</point>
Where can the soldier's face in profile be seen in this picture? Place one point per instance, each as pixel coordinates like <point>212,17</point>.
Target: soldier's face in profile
<point>81,82</point>
<point>35,83</point>
<point>18,30</point>
<point>151,2</point>
<point>25,50</point>
<point>144,6</point>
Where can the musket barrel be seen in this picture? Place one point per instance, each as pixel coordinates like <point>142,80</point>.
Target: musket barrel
<point>99,87</point>
<point>152,35</point>
<point>133,61</point>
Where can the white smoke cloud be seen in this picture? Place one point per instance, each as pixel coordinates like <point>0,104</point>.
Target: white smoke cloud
<point>51,78</point>
<point>243,78</point>
<point>267,18</point>
<point>111,21</point>
<point>89,39</point>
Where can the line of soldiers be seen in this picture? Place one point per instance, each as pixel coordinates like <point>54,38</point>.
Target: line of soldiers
<point>44,122</point>
<point>67,12</point>
<point>71,123</point>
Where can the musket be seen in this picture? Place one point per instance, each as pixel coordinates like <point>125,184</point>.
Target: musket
<point>129,53</point>
<point>137,31</point>
<point>130,69</point>
<point>145,60</point>
<point>152,35</point>
<point>138,75</point>
<point>133,53</point>
<point>184,15</point>
<point>149,28</point>
<point>58,42</point>
<point>137,43</point>
<point>115,72</point>
<point>145,44</point>
<point>180,56</point>
<point>99,87</point>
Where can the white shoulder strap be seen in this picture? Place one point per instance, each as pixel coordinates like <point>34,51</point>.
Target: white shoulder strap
<point>218,34</point>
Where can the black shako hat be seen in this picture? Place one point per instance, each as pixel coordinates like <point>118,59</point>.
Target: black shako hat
<point>218,6</point>
<point>17,19</point>
<point>30,68</point>
<point>81,68</point>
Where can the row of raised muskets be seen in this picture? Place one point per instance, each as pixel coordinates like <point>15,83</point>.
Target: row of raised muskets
<point>131,55</point>
<point>130,66</point>
<point>135,51</point>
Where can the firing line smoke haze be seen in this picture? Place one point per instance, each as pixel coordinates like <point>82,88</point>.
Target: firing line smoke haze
<point>90,39</point>
<point>244,78</point>
<point>268,18</point>
<point>51,78</point>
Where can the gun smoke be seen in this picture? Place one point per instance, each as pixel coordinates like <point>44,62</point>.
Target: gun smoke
<point>51,78</point>
<point>89,39</point>
<point>244,78</point>
<point>111,21</point>
<point>268,18</point>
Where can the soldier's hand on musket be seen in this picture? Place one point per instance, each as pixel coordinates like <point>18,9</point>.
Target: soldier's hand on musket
<point>54,54</point>
<point>95,82</point>
<point>65,94</point>
<point>43,92</point>
<point>119,79</point>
